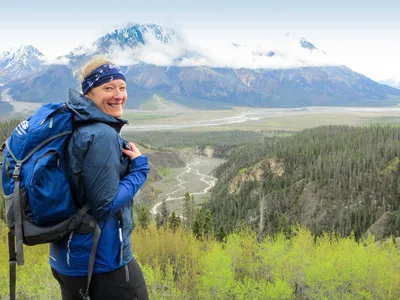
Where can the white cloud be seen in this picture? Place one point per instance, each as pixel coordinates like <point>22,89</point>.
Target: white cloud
<point>62,60</point>
<point>287,54</point>
<point>154,52</point>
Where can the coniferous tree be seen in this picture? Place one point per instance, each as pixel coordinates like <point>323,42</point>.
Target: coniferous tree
<point>143,216</point>
<point>174,221</point>
<point>198,224</point>
<point>186,211</point>
<point>192,210</point>
<point>221,234</point>
<point>164,214</point>
<point>158,220</point>
<point>208,225</point>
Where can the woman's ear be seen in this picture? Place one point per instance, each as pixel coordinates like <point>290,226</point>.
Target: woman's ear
<point>89,94</point>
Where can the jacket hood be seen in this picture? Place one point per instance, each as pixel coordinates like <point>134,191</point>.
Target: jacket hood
<point>86,111</point>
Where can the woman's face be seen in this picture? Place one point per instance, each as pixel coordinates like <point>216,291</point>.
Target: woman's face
<point>110,97</point>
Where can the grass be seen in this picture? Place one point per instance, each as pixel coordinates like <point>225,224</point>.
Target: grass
<point>385,120</point>
<point>139,117</point>
<point>164,171</point>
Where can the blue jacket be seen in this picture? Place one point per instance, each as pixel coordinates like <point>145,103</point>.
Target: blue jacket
<point>104,179</point>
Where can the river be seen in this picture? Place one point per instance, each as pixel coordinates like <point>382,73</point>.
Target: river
<point>195,177</point>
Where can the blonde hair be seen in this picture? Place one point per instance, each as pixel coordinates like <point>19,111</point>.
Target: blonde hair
<point>93,64</point>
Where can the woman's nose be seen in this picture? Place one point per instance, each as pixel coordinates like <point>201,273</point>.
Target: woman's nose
<point>118,94</point>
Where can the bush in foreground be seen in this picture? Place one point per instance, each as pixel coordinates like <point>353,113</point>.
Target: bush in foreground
<point>176,265</point>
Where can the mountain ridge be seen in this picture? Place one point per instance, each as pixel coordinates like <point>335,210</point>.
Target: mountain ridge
<point>184,74</point>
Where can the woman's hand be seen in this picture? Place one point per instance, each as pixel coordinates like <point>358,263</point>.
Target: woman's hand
<point>133,153</point>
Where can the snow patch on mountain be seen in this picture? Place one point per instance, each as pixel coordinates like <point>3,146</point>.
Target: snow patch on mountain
<point>393,82</point>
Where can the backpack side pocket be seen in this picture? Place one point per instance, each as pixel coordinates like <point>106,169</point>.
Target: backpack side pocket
<point>49,192</point>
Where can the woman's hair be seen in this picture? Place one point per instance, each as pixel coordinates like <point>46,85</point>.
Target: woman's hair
<point>93,64</point>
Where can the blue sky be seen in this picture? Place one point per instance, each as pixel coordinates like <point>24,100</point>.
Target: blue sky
<point>364,35</point>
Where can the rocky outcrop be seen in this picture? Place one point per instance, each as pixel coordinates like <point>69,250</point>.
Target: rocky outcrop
<point>256,173</point>
<point>169,159</point>
<point>383,227</point>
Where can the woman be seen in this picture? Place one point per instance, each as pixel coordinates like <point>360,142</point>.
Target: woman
<point>105,173</point>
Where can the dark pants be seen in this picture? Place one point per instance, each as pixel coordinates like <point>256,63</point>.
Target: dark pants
<point>126,283</point>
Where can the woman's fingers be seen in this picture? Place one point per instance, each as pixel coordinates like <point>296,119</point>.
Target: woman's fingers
<point>134,148</point>
<point>133,153</point>
<point>132,145</point>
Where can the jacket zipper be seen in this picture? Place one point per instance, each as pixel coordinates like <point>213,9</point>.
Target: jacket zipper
<point>68,247</point>
<point>50,116</point>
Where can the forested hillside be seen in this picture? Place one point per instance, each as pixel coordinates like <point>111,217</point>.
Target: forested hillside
<point>335,178</point>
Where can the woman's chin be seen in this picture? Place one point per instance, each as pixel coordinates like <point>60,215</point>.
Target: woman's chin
<point>116,113</point>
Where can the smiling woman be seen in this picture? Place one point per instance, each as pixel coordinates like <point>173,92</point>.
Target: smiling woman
<point>104,173</point>
<point>104,83</point>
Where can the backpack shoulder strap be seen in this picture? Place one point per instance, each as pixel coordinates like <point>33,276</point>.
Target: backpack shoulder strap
<point>88,221</point>
<point>18,214</point>
<point>96,238</point>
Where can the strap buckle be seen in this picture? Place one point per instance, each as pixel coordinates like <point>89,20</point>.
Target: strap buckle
<point>84,294</point>
<point>3,146</point>
<point>17,171</point>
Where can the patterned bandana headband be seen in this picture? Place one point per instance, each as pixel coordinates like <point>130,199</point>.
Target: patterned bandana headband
<point>103,74</point>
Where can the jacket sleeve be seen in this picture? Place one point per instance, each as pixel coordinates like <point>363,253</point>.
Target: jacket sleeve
<point>105,192</point>
<point>131,183</point>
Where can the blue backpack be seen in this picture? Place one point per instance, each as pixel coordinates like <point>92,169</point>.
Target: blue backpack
<point>39,205</point>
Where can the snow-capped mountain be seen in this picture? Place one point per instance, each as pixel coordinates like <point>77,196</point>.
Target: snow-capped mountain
<point>126,38</point>
<point>132,35</point>
<point>20,61</point>
<point>283,53</point>
<point>156,45</point>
